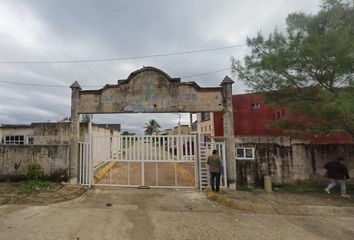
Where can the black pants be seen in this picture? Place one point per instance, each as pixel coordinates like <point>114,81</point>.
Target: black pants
<point>216,176</point>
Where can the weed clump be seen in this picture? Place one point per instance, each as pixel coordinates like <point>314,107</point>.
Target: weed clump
<point>35,179</point>
<point>34,172</point>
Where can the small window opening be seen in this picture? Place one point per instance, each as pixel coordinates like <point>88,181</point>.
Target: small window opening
<point>255,105</point>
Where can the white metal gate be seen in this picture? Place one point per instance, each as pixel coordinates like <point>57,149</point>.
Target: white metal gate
<point>85,174</point>
<point>155,161</point>
<point>205,150</point>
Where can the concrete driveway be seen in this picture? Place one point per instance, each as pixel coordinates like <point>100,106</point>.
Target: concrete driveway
<point>123,213</point>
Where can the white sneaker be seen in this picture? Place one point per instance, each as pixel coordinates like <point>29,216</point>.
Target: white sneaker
<point>345,195</point>
<point>327,191</point>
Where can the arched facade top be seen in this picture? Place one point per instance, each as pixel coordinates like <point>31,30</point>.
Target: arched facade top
<point>147,69</point>
<point>158,72</point>
<point>151,90</point>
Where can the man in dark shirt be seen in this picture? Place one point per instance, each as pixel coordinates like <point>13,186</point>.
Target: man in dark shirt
<point>337,173</point>
<point>215,170</point>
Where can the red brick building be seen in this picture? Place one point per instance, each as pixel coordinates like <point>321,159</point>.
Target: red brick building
<point>252,117</point>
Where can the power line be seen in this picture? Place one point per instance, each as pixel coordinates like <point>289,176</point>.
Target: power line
<point>206,73</point>
<point>88,86</point>
<point>123,58</point>
<point>32,84</point>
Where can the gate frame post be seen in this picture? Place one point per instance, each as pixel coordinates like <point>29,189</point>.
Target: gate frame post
<point>196,161</point>
<point>90,117</point>
<point>229,137</point>
<point>75,133</point>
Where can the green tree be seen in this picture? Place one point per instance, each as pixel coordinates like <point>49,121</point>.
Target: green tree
<point>126,133</point>
<point>151,127</point>
<point>308,69</point>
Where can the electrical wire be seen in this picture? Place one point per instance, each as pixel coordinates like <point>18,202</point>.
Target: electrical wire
<point>32,84</point>
<point>123,58</point>
<point>91,86</point>
<point>206,73</point>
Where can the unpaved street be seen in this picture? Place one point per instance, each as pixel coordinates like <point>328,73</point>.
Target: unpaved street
<point>159,214</point>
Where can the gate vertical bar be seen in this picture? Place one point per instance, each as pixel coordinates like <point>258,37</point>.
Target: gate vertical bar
<point>177,150</point>
<point>196,167</point>
<point>142,162</point>
<point>164,148</point>
<point>87,164</point>
<point>156,171</point>
<point>199,161</point>
<point>224,163</point>
<point>168,148</point>
<point>110,158</point>
<point>90,151</point>
<point>134,148</point>
<point>80,167</point>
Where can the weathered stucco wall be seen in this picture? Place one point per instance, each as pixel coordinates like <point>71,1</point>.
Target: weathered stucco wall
<point>151,90</point>
<point>51,133</point>
<point>14,160</point>
<point>59,133</point>
<point>288,161</point>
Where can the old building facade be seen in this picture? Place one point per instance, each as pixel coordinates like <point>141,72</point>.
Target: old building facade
<point>261,150</point>
<point>44,143</point>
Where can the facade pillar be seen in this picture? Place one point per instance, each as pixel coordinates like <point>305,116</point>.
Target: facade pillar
<point>190,120</point>
<point>74,133</point>
<point>229,137</point>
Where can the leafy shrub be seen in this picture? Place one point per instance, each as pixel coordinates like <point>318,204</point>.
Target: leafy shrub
<point>34,171</point>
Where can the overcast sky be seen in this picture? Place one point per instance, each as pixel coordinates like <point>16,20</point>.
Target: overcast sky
<point>64,30</point>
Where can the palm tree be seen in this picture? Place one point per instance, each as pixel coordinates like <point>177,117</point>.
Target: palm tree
<point>151,127</point>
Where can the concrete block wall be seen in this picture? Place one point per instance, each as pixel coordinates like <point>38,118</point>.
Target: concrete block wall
<point>56,133</point>
<point>14,160</point>
<point>288,161</point>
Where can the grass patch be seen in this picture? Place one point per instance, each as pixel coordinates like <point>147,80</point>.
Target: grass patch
<point>5,201</point>
<point>246,188</point>
<point>35,185</point>
<point>351,199</point>
<point>300,188</point>
<point>310,187</point>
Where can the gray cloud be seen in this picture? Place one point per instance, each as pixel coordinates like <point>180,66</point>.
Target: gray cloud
<point>72,30</point>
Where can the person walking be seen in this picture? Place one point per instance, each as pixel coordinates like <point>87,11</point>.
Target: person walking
<point>215,170</point>
<point>337,172</point>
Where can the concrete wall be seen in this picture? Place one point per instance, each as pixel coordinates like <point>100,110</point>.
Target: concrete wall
<point>150,90</point>
<point>14,160</point>
<point>56,133</point>
<point>59,133</point>
<point>51,133</point>
<point>50,148</point>
<point>288,161</point>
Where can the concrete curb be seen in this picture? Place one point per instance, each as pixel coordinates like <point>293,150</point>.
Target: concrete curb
<point>285,209</point>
